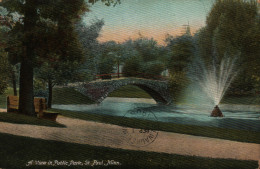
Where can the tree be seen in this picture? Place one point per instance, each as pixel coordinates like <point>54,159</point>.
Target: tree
<point>88,35</point>
<point>232,26</point>
<point>107,58</point>
<point>7,22</point>
<point>132,66</point>
<point>144,58</point>
<point>35,35</point>
<point>58,73</point>
<point>182,52</point>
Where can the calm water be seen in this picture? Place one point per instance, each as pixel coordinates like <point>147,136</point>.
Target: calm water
<point>148,109</point>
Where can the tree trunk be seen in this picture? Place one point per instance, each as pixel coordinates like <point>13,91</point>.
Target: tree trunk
<point>26,103</point>
<point>50,86</point>
<point>14,83</point>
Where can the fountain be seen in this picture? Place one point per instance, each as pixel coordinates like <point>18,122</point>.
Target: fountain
<point>216,112</point>
<point>213,80</point>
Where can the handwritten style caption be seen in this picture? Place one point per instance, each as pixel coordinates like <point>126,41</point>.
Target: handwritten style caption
<point>73,163</point>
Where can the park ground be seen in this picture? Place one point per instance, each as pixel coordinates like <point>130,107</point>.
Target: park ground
<point>26,138</point>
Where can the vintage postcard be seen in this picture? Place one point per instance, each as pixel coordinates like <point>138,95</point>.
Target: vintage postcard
<point>129,84</point>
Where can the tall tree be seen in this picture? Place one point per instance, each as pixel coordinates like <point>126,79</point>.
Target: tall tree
<point>232,27</point>
<point>182,50</point>
<point>35,40</point>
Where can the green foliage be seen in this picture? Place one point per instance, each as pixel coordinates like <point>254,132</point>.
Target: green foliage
<point>88,35</point>
<point>145,58</point>
<point>182,53</point>
<point>59,72</point>
<point>178,81</point>
<point>132,66</point>
<point>39,84</point>
<point>106,65</point>
<point>107,59</point>
<point>152,69</point>
<point>233,26</point>
<point>4,69</point>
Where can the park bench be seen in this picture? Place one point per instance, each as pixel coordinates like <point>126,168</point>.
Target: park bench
<point>40,105</point>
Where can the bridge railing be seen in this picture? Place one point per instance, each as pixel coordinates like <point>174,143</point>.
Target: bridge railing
<point>138,75</point>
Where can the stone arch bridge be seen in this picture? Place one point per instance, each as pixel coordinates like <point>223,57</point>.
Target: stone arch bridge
<point>99,90</point>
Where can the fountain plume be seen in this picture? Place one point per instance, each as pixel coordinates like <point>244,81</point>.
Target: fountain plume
<point>210,83</point>
<point>216,79</point>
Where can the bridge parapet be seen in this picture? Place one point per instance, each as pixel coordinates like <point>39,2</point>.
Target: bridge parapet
<point>99,90</point>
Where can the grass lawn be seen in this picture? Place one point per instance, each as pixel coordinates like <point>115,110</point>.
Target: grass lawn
<point>213,132</point>
<point>60,96</point>
<point>129,91</point>
<point>24,119</point>
<point>69,96</point>
<point>248,100</point>
<point>17,151</point>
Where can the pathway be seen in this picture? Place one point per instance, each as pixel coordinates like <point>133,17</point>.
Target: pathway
<point>100,134</point>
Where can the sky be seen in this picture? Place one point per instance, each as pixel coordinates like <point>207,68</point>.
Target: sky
<point>150,18</point>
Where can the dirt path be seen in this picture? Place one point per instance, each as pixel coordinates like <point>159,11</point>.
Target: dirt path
<point>99,134</point>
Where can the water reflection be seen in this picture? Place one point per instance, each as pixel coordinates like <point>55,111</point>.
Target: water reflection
<point>178,114</point>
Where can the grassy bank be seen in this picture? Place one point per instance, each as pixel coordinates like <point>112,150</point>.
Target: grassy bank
<point>69,96</point>
<point>247,100</point>
<point>213,132</point>
<point>60,96</point>
<point>129,91</point>
<point>17,151</point>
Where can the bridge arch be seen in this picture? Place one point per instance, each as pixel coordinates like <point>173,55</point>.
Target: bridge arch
<point>99,90</point>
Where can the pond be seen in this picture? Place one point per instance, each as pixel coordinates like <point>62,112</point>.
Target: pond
<point>132,107</point>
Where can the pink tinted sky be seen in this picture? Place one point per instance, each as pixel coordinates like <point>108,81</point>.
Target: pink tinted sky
<point>151,18</point>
